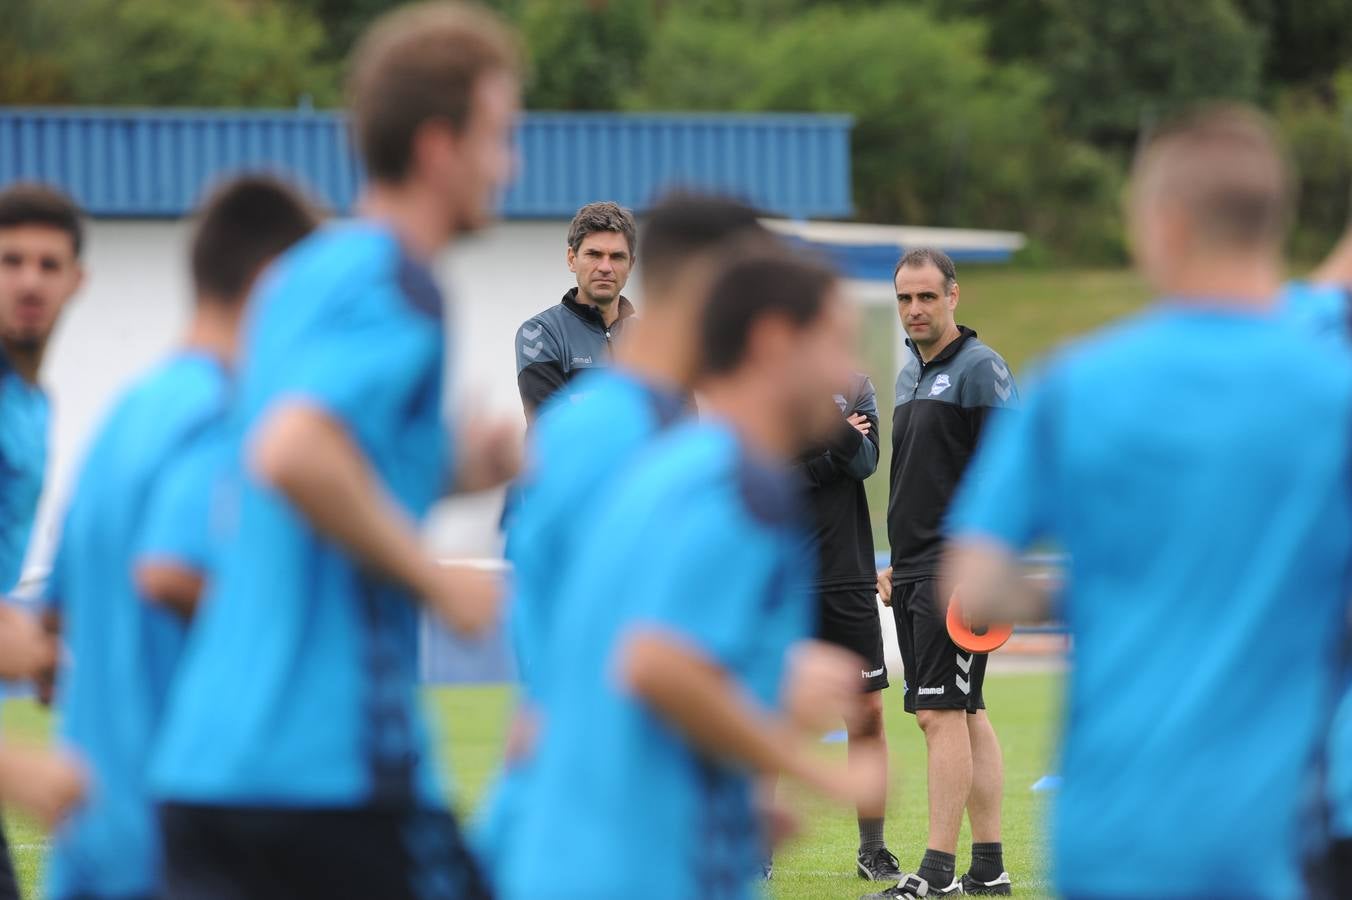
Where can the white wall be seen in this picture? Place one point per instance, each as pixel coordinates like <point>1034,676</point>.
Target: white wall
<point>136,301</point>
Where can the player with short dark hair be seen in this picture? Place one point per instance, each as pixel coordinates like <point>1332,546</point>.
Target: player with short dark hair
<point>1205,509</point>
<point>41,238</point>
<point>579,447</point>
<point>126,643</point>
<point>679,624</point>
<point>294,759</point>
<point>576,333</point>
<point>945,391</point>
<point>847,614</point>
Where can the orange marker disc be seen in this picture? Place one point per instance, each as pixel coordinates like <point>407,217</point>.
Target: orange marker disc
<point>981,639</point>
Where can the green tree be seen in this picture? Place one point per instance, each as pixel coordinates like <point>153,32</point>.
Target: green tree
<point>1317,127</point>
<point>31,69</point>
<point>1305,42</point>
<point>1116,66</point>
<point>584,55</point>
<point>942,136</point>
<point>205,53</point>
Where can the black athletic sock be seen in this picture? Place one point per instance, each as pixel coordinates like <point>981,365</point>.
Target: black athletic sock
<point>937,868</point>
<point>988,861</point>
<point>870,835</point>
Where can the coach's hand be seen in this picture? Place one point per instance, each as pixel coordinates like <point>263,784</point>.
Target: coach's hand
<point>860,423</point>
<point>44,784</point>
<point>490,450</point>
<point>822,685</point>
<point>465,597</point>
<point>885,586</point>
<point>26,649</point>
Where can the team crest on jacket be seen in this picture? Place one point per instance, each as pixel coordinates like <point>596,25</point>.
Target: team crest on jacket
<point>940,385</point>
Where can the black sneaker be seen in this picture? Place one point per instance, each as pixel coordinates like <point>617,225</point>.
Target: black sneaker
<point>878,865</point>
<point>1000,887</point>
<point>913,887</point>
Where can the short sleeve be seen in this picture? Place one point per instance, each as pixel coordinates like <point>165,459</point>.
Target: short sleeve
<point>989,384</point>
<point>369,364</point>
<point>536,345</point>
<point>178,515</point>
<point>1008,492</point>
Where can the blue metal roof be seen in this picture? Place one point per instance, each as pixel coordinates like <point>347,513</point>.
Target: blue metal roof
<point>156,162</point>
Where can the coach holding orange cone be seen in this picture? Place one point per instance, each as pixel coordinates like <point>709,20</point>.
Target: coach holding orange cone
<point>949,384</point>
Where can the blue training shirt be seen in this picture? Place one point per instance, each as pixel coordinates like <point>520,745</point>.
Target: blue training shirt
<point>124,647</point>
<point>581,443</point>
<point>706,541</point>
<point>24,419</point>
<point>1326,310</point>
<point>1195,466</point>
<point>299,687</point>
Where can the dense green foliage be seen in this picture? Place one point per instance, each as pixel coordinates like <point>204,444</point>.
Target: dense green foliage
<point>986,113</point>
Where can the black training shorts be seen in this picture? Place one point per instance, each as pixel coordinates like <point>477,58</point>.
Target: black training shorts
<point>848,617</point>
<point>253,853</point>
<point>938,674</point>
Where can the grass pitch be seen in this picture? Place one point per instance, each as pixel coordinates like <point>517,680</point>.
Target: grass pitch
<point>819,864</point>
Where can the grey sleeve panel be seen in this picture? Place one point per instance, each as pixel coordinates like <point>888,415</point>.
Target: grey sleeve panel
<point>987,382</point>
<point>865,460</point>
<point>536,343</point>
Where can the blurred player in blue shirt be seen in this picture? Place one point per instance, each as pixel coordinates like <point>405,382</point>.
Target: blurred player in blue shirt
<point>123,643</point>
<point>294,760</point>
<point>583,441</point>
<point>1194,465</point>
<point>665,675</point>
<point>1322,304</point>
<point>40,271</point>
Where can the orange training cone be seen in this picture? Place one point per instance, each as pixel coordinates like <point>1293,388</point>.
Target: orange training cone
<point>979,639</point>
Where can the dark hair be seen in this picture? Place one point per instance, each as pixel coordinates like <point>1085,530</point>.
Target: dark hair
<point>241,227</point>
<point>602,216</point>
<point>30,203</point>
<point>918,257</point>
<point>683,225</point>
<point>417,64</point>
<point>754,288</point>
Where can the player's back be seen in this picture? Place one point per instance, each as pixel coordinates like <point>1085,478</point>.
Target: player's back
<point>580,447</point>
<point>1198,476</point>
<point>123,647</point>
<point>706,543</point>
<point>300,684</point>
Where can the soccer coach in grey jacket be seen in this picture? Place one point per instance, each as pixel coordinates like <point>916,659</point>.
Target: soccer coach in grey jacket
<point>576,333</point>
<point>950,383</point>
